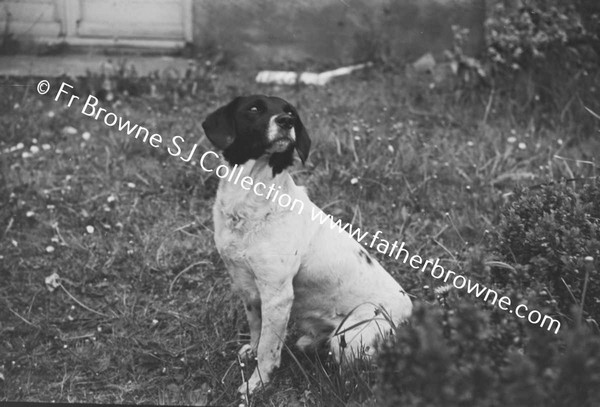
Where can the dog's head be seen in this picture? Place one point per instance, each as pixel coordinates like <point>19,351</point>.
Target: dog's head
<point>250,127</point>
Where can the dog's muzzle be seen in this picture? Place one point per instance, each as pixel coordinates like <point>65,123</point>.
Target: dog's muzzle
<point>281,133</point>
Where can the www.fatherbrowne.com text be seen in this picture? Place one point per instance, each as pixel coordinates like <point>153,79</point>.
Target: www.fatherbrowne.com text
<point>438,272</point>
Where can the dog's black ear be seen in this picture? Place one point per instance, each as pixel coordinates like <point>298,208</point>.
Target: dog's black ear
<point>219,126</point>
<point>302,140</point>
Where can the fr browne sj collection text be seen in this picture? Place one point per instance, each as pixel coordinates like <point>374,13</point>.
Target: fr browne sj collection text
<point>91,109</point>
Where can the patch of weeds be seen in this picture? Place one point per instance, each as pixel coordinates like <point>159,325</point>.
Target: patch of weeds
<point>549,232</point>
<point>450,357</point>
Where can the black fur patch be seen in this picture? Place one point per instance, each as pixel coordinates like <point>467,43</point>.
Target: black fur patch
<point>362,253</point>
<point>280,161</point>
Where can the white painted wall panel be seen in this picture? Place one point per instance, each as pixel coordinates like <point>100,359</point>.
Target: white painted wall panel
<point>32,18</point>
<point>89,22</point>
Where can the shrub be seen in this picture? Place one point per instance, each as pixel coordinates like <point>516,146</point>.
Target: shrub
<point>537,30</point>
<point>546,53</point>
<point>464,355</point>
<point>439,360</point>
<point>450,358</point>
<point>549,232</point>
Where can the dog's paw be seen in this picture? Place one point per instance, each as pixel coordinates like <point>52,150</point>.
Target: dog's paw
<point>306,343</point>
<point>247,352</point>
<point>250,387</point>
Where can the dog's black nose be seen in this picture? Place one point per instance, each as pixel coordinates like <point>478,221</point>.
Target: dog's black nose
<point>284,121</point>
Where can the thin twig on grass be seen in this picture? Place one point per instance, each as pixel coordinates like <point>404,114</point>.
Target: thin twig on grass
<point>183,271</point>
<point>23,318</point>
<point>445,249</point>
<point>80,303</point>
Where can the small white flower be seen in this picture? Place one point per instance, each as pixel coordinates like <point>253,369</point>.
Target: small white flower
<point>50,249</point>
<point>111,198</point>
<point>30,214</point>
<point>89,229</point>
<point>511,139</point>
<point>354,181</point>
<point>560,142</point>
<point>70,130</point>
<point>522,146</point>
<point>51,114</point>
<point>442,289</point>
<point>131,185</point>
<point>86,135</point>
<point>470,143</point>
<point>34,149</point>
<point>26,155</point>
<point>46,147</point>
<point>391,148</point>
<point>355,128</point>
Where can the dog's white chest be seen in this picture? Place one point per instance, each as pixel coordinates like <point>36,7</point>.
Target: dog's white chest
<point>242,218</point>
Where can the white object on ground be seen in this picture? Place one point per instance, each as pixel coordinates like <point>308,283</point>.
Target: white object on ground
<point>306,78</point>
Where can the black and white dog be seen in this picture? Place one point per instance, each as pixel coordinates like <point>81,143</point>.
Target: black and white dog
<point>282,262</point>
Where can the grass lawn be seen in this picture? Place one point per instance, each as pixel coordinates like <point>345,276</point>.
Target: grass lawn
<point>144,312</point>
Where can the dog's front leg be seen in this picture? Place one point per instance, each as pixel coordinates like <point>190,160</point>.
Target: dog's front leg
<point>276,305</point>
<point>253,313</point>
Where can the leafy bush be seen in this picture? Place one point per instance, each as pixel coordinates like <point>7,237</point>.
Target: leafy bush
<point>462,355</point>
<point>550,232</point>
<point>546,53</point>
<point>533,33</point>
<point>452,358</point>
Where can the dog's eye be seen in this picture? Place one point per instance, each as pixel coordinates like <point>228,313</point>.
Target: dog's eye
<point>253,109</point>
